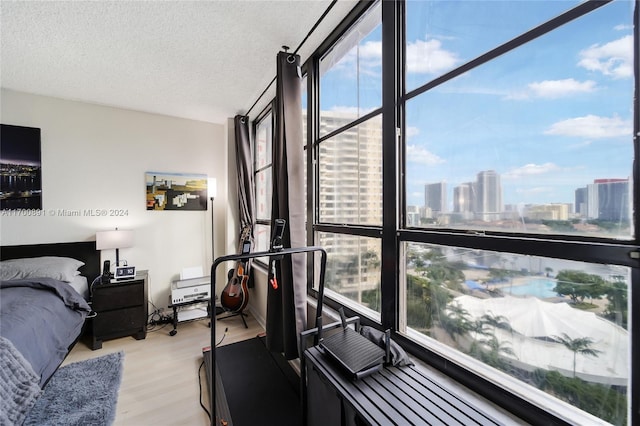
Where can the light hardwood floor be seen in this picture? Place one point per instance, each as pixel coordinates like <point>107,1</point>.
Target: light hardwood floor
<point>160,378</point>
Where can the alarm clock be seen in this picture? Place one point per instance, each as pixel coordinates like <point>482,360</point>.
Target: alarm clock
<point>125,272</point>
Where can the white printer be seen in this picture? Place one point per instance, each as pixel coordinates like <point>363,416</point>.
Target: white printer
<point>190,290</point>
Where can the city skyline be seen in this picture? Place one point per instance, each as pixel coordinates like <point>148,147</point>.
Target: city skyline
<point>547,120</point>
<point>453,193</point>
<point>465,197</point>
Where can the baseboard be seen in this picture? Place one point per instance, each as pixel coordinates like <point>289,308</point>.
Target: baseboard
<point>259,318</point>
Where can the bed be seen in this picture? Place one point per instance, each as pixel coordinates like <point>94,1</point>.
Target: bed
<point>44,290</point>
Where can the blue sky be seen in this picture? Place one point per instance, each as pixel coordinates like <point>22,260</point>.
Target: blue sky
<point>549,117</point>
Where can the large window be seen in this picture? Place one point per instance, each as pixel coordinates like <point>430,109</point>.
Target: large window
<point>501,143</point>
<point>536,140</point>
<point>521,129</point>
<point>262,152</point>
<point>557,326</point>
<point>492,172</point>
<point>349,152</point>
<point>350,73</point>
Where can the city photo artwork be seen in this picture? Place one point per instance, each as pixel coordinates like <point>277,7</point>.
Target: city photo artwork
<point>176,191</point>
<point>20,168</point>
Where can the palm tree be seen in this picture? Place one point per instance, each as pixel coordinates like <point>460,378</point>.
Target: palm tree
<point>496,349</point>
<point>496,321</point>
<point>580,345</point>
<point>478,327</point>
<point>497,346</point>
<point>455,320</point>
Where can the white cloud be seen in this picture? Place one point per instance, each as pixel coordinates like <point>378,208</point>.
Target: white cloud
<point>371,52</point>
<point>553,89</point>
<point>428,57</point>
<point>613,59</point>
<point>422,156</point>
<point>591,126</point>
<point>623,27</point>
<point>530,170</point>
<point>412,131</point>
<point>368,57</point>
<point>560,88</point>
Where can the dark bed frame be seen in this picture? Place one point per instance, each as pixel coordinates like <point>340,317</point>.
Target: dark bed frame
<point>84,251</point>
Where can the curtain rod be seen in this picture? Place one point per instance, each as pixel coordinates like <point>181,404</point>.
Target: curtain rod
<point>295,51</point>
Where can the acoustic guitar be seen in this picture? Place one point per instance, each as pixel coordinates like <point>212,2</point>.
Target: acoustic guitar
<point>235,295</point>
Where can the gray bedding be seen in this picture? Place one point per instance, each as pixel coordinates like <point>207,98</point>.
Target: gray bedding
<point>42,318</point>
<point>19,387</point>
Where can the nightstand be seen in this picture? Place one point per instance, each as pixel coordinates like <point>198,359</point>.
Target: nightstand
<point>121,308</point>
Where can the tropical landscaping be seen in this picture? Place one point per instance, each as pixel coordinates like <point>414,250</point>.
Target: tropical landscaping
<point>441,306</point>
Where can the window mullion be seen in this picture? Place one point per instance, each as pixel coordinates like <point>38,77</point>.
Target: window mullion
<point>390,199</point>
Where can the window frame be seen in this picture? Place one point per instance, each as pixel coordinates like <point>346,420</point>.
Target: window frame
<point>573,13</point>
<point>314,139</point>
<point>394,231</point>
<point>267,111</point>
<point>570,247</point>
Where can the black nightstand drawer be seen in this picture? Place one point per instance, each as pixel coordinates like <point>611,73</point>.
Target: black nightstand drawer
<point>112,322</point>
<point>118,296</point>
<point>121,310</point>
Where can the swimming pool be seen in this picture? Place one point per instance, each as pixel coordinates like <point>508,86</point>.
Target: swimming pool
<point>541,288</point>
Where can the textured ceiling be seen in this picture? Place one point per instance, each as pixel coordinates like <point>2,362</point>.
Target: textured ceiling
<point>202,60</point>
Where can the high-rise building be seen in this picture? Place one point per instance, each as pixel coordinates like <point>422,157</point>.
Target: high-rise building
<point>592,201</point>
<point>350,191</point>
<point>488,199</point>
<point>463,195</point>
<point>605,199</point>
<point>581,199</point>
<point>435,197</point>
<point>350,176</point>
<point>613,199</point>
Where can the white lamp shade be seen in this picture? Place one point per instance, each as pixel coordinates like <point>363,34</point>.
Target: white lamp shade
<point>116,239</point>
<point>211,187</point>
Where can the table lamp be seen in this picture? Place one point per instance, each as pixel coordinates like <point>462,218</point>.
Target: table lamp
<point>116,239</point>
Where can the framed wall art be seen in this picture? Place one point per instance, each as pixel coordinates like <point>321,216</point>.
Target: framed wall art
<point>176,191</point>
<point>20,168</point>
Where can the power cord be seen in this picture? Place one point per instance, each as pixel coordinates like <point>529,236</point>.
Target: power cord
<point>153,316</point>
<point>200,386</point>
<point>212,374</point>
<point>157,320</point>
<point>223,336</point>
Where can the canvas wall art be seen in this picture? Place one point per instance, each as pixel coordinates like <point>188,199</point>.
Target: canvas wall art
<point>20,168</point>
<point>176,191</point>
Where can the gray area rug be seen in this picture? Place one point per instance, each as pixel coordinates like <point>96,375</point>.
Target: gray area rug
<point>81,393</point>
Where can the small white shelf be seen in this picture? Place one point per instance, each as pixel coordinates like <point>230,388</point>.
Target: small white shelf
<point>192,313</point>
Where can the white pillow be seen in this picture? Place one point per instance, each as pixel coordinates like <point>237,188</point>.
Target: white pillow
<point>58,268</point>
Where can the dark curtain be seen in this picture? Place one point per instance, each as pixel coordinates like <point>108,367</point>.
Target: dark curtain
<point>287,304</point>
<point>244,166</point>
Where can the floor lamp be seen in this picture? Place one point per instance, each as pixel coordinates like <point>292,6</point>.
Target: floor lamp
<point>211,190</point>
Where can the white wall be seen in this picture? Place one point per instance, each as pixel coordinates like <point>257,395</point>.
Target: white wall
<point>95,157</point>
